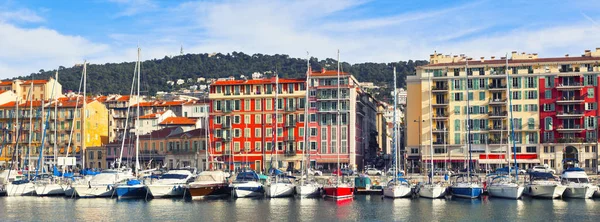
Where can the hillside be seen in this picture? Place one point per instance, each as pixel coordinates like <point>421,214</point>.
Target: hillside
<point>116,77</point>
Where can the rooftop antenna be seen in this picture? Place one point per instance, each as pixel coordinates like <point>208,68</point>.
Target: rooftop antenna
<point>181,50</point>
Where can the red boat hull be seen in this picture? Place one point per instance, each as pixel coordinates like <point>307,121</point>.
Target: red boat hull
<point>339,193</point>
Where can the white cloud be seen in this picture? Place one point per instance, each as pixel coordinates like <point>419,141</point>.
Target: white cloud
<point>134,7</point>
<point>19,15</point>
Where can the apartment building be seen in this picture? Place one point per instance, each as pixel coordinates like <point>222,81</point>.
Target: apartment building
<point>42,89</point>
<point>69,119</point>
<point>553,103</point>
<point>254,126</point>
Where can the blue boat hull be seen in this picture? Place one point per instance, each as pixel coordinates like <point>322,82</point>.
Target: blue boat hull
<point>467,192</point>
<point>131,192</point>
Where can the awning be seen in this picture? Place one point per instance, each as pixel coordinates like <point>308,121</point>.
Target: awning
<point>332,160</point>
<point>492,161</point>
<point>526,161</point>
<point>447,161</point>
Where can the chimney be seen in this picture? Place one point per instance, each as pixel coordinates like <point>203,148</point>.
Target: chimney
<point>503,58</point>
<point>482,59</point>
<point>493,57</point>
<point>514,53</point>
<point>566,55</point>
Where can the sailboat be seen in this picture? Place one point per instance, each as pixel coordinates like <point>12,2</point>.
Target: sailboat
<point>336,189</point>
<point>21,186</point>
<point>102,184</point>
<point>134,188</point>
<point>503,185</point>
<point>50,186</point>
<point>281,185</point>
<point>397,187</point>
<point>430,189</point>
<point>307,188</point>
<point>467,185</point>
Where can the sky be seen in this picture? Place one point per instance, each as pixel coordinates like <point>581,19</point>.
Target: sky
<point>43,34</point>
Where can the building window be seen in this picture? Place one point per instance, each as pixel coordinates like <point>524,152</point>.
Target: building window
<point>257,133</point>
<point>268,146</point>
<point>531,149</point>
<point>257,147</point>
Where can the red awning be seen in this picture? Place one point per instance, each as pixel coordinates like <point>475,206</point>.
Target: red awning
<point>524,156</point>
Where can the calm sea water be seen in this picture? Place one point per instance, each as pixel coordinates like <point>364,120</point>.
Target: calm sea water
<point>362,208</point>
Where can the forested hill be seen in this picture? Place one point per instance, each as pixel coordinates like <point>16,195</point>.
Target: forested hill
<point>116,77</point>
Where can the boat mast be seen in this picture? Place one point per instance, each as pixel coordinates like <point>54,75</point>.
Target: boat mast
<point>137,121</point>
<point>16,127</point>
<point>276,119</point>
<point>394,133</point>
<point>206,139</point>
<point>73,121</point>
<point>83,128</point>
<point>431,128</point>
<point>306,136</point>
<point>55,122</point>
<point>127,119</point>
<point>512,124</point>
<point>338,116</point>
<point>41,156</point>
<point>468,139</point>
<point>29,98</point>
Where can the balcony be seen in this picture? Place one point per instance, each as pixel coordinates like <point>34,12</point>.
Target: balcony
<point>569,100</point>
<point>291,152</point>
<point>227,111</point>
<point>569,86</point>
<point>570,129</point>
<point>226,139</point>
<point>440,103</point>
<point>497,101</point>
<point>440,130</point>
<point>497,141</point>
<point>569,114</point>
<point>440,116</point>
<point>440,143</point>
<point>566,69</point>
<point>498,128</point>
<point>289,139</point>
<point>290,108</point>
<point>496,87</point>
<point>439,89</point>
<point>502,114</point>
<point>226,126</point>
<point>570,140</point>
<point>290,124</point>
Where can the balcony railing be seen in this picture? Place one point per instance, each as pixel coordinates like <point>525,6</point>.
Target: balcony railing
<point>440,102</point>
<point>439,88</point>
<point>497,101</point>
<point>570,140</point>
<point>574,113</point>
<point>290,124</point>
<point>498,128</point>
<point>575,127</point>
<point>290,108</point>
<point>440,115</point>
<point>497,141</point>
<point>291,152</point>
<point>498,114</point>
<point>570,99</point>
<point>440,142</point>
<point>565,70</point>
<point>289,139</point>
<point>569,85</point>
<point>497,86</point>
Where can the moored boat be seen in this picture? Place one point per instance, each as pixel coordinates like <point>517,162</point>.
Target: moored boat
<point>544,185</point>
<point>578,184</point>
<point>466,186</point>
<point>502,186</point>
<point>397,188</point>
<point>171,184</point>
<point>209,184</point>
<point>247,184</point>
<point>102,185</point>
<point>339,191</point>
<point>132,189</point>
<point>432,190</point>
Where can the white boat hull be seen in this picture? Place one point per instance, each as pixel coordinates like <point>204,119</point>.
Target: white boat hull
<point>250,189</point>
<point>432,191</point>
<point>308,190</point>
<point>276,190</point>
<point>579,192</point>
<point>397,191</point>
<point>51,189</point>
<point>86,191</point>
<point>597,193</point>
<point>26,189</point>
<point>509,192</point>
<point>544,191</point>
<point>166,190</point>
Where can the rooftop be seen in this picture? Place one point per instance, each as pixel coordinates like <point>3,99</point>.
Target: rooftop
<point>179,121</point>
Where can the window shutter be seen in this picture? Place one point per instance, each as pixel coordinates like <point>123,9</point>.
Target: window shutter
<point>462,84</point>
<point>466,109</point>
<point>535,82</point>
<point>586,106</point>
<point>552,107</point>
<point>595,80</point>
<point>457,125</point>
<point>526,108</point>
<point>451,84</point>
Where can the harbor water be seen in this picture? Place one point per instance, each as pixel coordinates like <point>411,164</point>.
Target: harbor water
<point>362,208</point>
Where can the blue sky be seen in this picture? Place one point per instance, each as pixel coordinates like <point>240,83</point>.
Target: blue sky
<point>46,34</point>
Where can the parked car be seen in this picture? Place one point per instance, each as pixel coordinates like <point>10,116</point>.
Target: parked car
<point>521,171</point>
<point>343,172</point>
<point>440,171</point>
<point>314,172</point>
<point>374,172</point>
<point>542,168</point>
<point>390,172</point>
